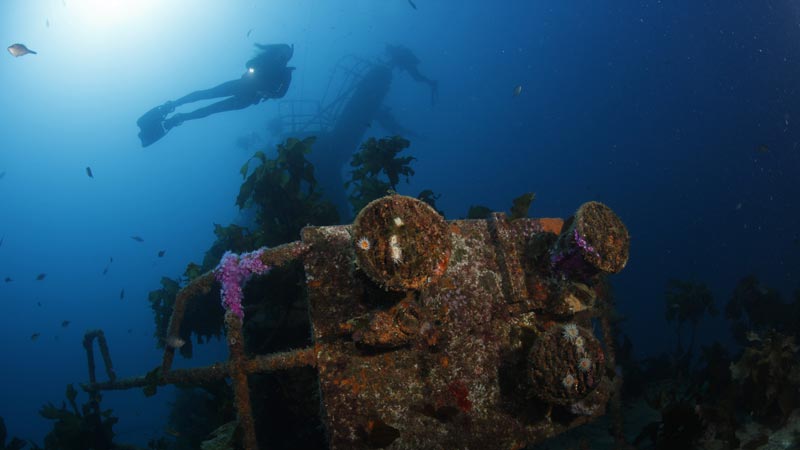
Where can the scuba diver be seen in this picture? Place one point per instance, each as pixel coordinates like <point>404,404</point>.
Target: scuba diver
<point>267,76</point>
<point>402,58</point>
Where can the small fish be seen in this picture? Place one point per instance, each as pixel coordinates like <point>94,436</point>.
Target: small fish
<point>2,174</point>
<point>39,304</point>
<point>175,342</point>
<point>762,149</point>
<point>35,336</point>
<point>137,238</point>
<point>172,432</point>
<point>517,90</point>
<point>1,240</point>
<point>41,276</point>
<point>122,294</point>
<point>130,330</point>
<point>412,4</point>
<point>9,280</point>
<point>65,323</point>
<point>110,260</point>
<point>89,172</point>
<point>161,253</point>
<point>18,50</point>
<point>47,23</point>
<point>249,31</point>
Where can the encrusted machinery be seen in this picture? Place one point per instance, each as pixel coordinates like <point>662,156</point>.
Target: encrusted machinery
<point>434,334</point>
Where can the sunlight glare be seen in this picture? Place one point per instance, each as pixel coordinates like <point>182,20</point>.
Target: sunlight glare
<point>111,13</point>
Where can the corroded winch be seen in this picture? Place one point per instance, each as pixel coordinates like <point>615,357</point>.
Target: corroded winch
<point>460,334</point>
<point>441,334</point>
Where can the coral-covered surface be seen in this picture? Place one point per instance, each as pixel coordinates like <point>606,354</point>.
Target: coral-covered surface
<point>566,364</point>
<point>605,239</point>
<point>402,242</point>
<point>594,240</point>
<point>448,365</point>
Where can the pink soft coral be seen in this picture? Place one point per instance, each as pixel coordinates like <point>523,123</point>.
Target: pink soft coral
<point>233,272</point>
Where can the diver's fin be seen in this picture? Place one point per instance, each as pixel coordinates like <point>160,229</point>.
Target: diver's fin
<point>151,125</point>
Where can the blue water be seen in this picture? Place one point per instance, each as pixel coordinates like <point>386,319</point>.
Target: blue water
<point>657,109</point>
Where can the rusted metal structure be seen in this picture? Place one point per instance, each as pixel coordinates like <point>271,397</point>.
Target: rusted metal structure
<point>434,334</point>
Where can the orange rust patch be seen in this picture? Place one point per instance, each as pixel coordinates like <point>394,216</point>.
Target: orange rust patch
<point>460,392</point>
<point>356,384</point>
<point>432,338</point>
<point>539,293</point>
<point>551,225</point>
<point>441,267</point>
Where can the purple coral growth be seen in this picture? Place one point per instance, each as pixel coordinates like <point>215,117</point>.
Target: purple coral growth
<point>569,257</point>
<point>233,272</point>
<point>581,241</point>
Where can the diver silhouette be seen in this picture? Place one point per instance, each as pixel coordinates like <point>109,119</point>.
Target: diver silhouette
<point>403,58</point>
<point>267,76</point>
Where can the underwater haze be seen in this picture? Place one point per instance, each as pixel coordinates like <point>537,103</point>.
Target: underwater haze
<point>683,117</point>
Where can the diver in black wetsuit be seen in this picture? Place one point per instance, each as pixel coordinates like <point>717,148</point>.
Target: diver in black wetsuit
<point>402,58</point>
<point>267,76</point>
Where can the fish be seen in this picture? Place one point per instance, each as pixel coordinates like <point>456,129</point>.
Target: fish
<point>172,432</point>
<point>35,336</point>
<point>762,148</point>
<point>249,31</point>
<point>137,238</point>
<point>89,172</point>
<point>122,294</point>
<point>175,342</point>
<point>130,330</point>
<point>39,304</point>
<point>517,90</point>
<point>412,4</point>
<point>110,260</point>
<point>65,323</point>
<point>47,23</point>
<point>8,280</point>
<point>41,276</point>
<point>1,240</point>
<point>2,174</point>
<point>18,50</point>
<point>161,253</point>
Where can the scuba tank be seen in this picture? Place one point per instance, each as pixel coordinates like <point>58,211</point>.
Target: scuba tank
<point>271,56</point>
